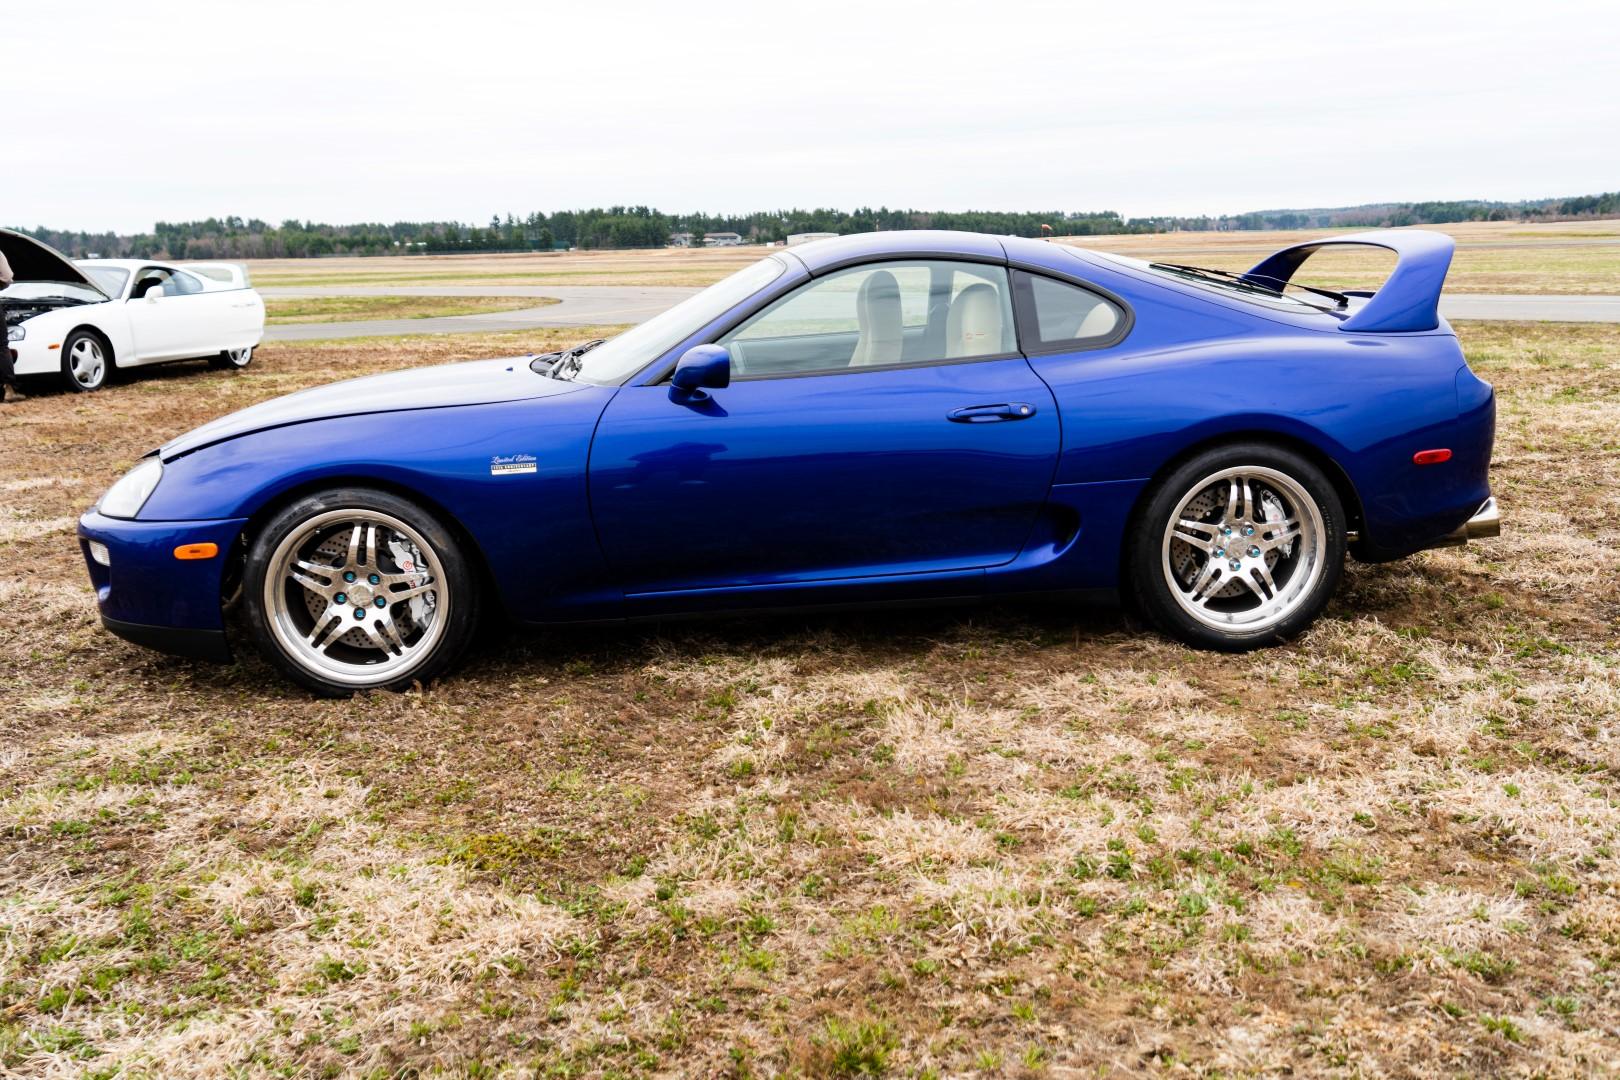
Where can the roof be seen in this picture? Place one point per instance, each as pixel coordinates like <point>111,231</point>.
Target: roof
<point>819,255</point>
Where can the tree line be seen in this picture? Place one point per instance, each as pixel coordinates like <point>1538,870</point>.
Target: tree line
<point>645,227</point>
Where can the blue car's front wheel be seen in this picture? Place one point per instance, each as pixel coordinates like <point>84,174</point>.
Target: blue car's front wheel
<point>354,589</point>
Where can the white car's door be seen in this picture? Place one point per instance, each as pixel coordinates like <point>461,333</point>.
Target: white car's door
<point>186,320</point>
<point>154,319</point>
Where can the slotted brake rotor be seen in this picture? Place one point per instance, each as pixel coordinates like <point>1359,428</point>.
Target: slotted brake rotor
<point>416,612</point>
<point>1207,507</point>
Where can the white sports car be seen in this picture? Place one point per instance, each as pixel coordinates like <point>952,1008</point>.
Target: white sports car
<point>80,320</point>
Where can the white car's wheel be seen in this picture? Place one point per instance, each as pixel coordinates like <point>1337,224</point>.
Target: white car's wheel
<point>232,359</point>
<point>85,362</point>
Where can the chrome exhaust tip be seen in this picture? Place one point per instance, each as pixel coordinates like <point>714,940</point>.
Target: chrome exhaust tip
<point>1486,522</point>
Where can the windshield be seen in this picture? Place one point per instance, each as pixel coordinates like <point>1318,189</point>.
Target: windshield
<point>614,361</point>
<point>110,278</point>
<point>51,290</point>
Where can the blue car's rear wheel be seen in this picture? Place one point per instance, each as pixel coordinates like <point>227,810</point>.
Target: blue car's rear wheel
<point>1240,547</point>
<point>355,589</point>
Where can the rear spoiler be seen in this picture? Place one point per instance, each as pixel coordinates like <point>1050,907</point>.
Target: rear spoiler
<point>231,275</point>
<point>1409,300</point>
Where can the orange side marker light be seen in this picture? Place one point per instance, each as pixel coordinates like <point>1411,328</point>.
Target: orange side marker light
<point>196,551</point>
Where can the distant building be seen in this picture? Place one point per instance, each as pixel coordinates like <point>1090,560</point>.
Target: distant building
<point>680,239</point>
<point>806,237</point>
<point>721,239</point>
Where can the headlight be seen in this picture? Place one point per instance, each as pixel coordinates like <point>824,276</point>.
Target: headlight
<point>125,498</point>
<point>15,333</point>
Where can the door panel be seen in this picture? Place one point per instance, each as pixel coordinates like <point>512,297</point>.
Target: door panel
<point>158,330</point>
<point>852,474</point>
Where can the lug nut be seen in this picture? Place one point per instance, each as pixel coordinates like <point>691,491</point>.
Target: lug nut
<point>1254,552</point>
<point>359,612</point>
<point>1220,553</point>
<point>374,579</point>
<point>1248,530</point>
<point>1236,565</point>
<point>348,575</point>
<point>341,598</point>
<point>381,602</point>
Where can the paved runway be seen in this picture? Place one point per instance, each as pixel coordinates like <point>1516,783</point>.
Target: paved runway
<point>596,305</point>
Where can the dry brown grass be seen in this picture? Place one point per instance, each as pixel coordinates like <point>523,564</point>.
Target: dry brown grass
<point>1001,841</point>
<point>325,309</point>
<point>673,266</point>
<point>1492,257</point>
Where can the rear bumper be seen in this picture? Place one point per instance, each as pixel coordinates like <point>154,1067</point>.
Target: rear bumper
<point>1486,522</point>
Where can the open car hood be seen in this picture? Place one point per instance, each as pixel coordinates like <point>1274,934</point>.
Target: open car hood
<point>476,382</point>
<point>32,261</point>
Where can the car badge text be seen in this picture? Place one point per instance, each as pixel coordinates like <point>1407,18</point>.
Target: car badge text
<point>511,464</point>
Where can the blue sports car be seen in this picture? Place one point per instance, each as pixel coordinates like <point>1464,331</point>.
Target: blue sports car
<point>889,417</point>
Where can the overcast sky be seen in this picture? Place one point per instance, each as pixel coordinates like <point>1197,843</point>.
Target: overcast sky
<point>120,114</point>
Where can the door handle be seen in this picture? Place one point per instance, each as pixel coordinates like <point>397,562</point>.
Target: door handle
<point>985,414</point>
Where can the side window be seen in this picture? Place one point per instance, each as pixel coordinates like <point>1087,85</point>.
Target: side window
<point>880,315</point>
<point>183,284</point>
<point>1064,315</point>
<point>149,276</point>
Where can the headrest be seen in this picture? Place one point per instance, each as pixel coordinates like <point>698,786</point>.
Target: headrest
<point>877,313</point>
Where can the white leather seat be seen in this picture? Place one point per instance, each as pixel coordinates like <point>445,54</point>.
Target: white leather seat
<point>973,325</point>
<point>1099,322</point>
<point>882,329</point>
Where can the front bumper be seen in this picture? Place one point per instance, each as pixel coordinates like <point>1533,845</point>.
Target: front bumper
<point>147,595</point>
<point>35,357</point>
<point>1486,522</point>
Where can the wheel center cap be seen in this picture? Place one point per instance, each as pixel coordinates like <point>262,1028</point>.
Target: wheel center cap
<point>360,594</point>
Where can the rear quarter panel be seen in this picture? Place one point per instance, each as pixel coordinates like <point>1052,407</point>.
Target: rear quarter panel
<point>1192,372</point>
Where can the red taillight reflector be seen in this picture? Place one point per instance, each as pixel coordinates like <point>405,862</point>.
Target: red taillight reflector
<point>1431,457</point>
<point>196,551</point>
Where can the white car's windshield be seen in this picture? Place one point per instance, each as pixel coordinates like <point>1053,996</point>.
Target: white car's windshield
<point>110,278</point>
<point>614,361</point>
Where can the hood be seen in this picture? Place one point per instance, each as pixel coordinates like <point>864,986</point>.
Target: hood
<point>480,382</point>
<point>32,261</point>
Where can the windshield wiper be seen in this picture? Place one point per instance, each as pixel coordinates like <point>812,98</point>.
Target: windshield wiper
<point>567,362</point>
<point>1339,299</point>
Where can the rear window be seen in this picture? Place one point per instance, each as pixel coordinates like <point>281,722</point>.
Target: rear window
<point>1230,286</point>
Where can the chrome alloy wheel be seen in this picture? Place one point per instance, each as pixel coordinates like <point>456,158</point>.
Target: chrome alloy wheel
<point>356,596</point>
<point>239,357</point>
<point>1244,549</point>
<point>87,362</point>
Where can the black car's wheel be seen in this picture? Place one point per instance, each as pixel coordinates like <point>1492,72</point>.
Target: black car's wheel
<point>1240,547</point>
<point>355,589</point>
<point>86,362</point>
<point>232,359</point>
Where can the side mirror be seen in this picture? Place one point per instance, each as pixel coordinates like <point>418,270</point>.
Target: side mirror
<point>700,368</point>
<point>154,293</point>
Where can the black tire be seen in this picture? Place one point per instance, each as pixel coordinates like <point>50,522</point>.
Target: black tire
<point>81,349</point>
<point>231,359</point>
<point>459,591</point>
<point>1302,577</point>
